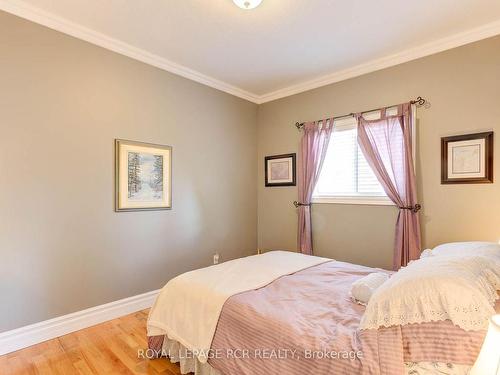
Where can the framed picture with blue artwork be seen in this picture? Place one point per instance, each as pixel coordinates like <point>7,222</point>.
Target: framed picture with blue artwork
<point>143,176</point>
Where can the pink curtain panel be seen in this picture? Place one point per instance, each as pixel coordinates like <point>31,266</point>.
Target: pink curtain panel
<point>313,147</point>
<point>387,146</point>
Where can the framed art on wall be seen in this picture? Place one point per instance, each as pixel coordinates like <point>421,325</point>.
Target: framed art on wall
<point>467,159</point>
<point>143,176</point>
<point>280,170</point>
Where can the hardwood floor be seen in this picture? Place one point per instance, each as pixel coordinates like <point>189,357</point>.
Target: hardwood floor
<point>107,348</point>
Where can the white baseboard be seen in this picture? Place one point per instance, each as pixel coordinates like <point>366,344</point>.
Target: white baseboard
<point>32,334</point>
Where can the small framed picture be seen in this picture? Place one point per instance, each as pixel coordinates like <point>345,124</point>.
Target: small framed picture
<point>467,159</point>
<point>280,170</point>
<point>143,176</point>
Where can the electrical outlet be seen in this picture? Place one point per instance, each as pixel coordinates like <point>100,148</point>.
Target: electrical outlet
<point>216,258</point>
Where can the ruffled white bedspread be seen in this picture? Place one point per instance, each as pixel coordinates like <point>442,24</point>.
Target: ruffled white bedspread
<point>435,368</point>
<point>188,363</point>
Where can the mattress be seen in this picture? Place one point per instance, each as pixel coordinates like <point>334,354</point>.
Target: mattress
<point>307,322</point>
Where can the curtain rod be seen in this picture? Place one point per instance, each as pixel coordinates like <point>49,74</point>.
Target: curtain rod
<point>419,102</point>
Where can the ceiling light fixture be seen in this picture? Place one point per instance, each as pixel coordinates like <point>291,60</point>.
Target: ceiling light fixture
<point>247,4</point>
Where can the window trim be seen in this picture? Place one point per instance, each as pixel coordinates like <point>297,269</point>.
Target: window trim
<point>354,199</point>
<point>373,200</point>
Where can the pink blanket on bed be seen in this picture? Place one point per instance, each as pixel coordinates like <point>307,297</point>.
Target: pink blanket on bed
<point>306,323</point>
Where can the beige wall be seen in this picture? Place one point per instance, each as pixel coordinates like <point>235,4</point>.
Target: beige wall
<point>64,101</point>
<point>62,104</point>
<point>463,88</point>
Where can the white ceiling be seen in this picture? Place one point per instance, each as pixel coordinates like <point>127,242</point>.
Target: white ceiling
<point>280,48</point>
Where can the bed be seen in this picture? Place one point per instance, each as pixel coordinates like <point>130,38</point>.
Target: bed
<point>287,313</point>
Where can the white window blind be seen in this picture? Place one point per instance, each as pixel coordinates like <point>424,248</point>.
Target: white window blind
<point>345,176</point>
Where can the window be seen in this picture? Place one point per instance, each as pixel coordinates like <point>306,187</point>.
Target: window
<point>345,176</point>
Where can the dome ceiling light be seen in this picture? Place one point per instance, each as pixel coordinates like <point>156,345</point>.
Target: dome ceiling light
<point>247,4</point>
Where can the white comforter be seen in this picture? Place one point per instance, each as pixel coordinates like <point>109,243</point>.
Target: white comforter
<point>188,307</point>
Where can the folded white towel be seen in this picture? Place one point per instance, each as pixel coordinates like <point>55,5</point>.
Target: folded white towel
<point>362,289</point>
<point>426,253</point>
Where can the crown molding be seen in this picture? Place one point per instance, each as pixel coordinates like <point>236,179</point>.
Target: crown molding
<point>65,26</point>
<point>440,45</point>
<point>55,22</point>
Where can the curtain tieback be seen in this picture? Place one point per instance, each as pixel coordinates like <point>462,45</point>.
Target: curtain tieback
<point>414,209</point>
<point>298,204</point>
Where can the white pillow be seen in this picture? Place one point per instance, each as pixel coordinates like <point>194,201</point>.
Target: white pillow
<point>460,289</point>
<point>472,248</point>
<point>426,253</point>
<point>467,248</point>
<point>362,289</point>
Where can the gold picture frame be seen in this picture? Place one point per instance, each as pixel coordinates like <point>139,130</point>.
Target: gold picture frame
<point>143,176</point>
